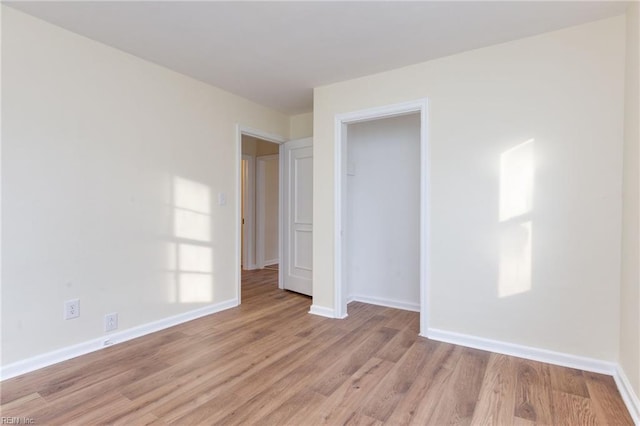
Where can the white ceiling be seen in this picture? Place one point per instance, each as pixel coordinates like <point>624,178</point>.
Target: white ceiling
<point>274,53</point>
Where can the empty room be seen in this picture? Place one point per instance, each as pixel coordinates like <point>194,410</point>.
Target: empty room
<point>304,213</point>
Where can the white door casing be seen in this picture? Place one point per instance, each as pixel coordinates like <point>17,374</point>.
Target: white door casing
<point>298,215</point>
<point>340,163</point>
<point>248,196</point>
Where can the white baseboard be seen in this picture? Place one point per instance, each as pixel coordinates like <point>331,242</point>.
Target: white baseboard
<point>271,262</point>
<point>44,360</point>
<point>628,395</point>
<point>526,352</point>
<point>322,311</point>
<point>389,303</point>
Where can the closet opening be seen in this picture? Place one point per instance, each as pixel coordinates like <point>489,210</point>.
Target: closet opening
<point>382,209</point>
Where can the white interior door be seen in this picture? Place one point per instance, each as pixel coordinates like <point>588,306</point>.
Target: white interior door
<point>298,215</point>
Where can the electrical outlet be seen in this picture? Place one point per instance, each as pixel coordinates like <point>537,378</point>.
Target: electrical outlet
<point>72,309</point>
<point>111,321</point>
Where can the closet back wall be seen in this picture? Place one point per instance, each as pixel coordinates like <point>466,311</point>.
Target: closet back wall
<point>383,212</point>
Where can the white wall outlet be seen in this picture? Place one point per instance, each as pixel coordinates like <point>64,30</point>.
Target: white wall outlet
<point>72,309</point>
<point>222,199</point>
<point>111,321</point>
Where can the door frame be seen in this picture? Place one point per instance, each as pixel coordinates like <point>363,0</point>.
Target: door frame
<point>340,192</point>
<point>248,199</point>
<point>260,208</point>
<point>269,137</point>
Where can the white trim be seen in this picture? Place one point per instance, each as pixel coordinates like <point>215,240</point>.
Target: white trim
<point>249,196</point>
<point>526,352</point>
<point>244,130</point>
<point>238,214</point>
<point>260,209</point>
<point>281,208</point>
<point>389,303</point>
<point>271,262</point>
<point>44,360</point>
<point>339,166</point>
<point>340,169</point>
<point>322,311</point>
<point>629,397</point>
<point>269,137</point>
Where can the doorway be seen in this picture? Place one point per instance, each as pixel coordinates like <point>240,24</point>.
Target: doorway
<point>260,204</point>
<point>383,212</point>
<point>246,200</point>
<point>381,230</point>
<point>284,244</point>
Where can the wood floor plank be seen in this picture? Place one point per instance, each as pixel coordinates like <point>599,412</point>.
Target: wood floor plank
<point>359,419</point>
<point>568,380</point>
<point>259,404</point>
<point>191,370</point>
<point>213,392</point>
<point>245,384</point>
<point>92,367</point>
<point>352,361</point>
<point>458,402</point>
<point>269,362</point>
<point>518,421</point>
<point>533,392</point>
<point>570,409</point>
<point>342,404</point>
<point>607,402</point>
<point>25,404</point>
<point>67,412</point>
<point>496,401</point>
<point>398,381</point>
<point>419,404</point>
<point>88,388</point>
<point>94,413</point>
<point>398,345</point>
<point>401,320</point>
<point>176,395</point>
<point>294,411</point>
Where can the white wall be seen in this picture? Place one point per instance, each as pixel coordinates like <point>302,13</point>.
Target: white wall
<point>268,206</point>
<point>545,272</point>
<point>383,211</point>
<point>301,126</point>
<point>630,289</point>
<point>112,168</point>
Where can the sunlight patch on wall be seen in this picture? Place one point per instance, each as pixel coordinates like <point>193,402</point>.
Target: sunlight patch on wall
<point>192,225</point>
<point>191,195</point>
<point>514,274</point>
<point>517,168</point>
<point>192,211</point>
<point>516,181</point>
<point>195,288</point>
<point>190,257</point>
<point>195,258</point>
<point>172,272</point>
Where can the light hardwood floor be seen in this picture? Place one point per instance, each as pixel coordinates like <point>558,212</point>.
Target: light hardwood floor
<point>269,362</point>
